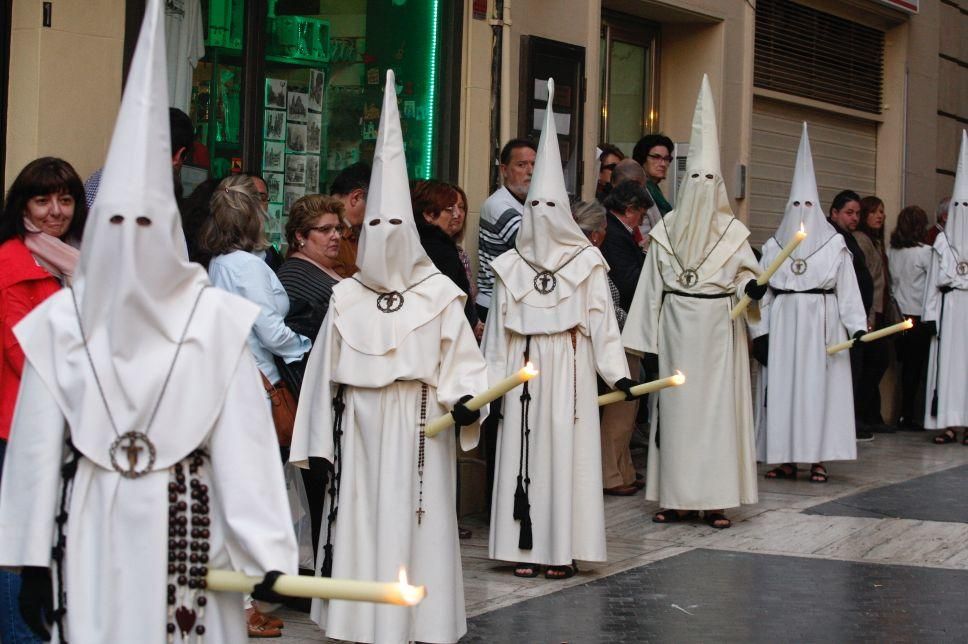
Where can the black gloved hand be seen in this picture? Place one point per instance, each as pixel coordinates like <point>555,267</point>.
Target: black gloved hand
<point>650,365</point>
<point>464,416</point>
<point>761,349</point>
<point>263,591</point>
<point>754,290</point>
<point>930,327</point>
<point>625,385</point>
<point>858,334</point>
<point>37,600</point>
<point>319,465</point>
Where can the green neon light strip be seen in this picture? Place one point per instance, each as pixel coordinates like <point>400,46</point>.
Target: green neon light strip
<point>431,93</point>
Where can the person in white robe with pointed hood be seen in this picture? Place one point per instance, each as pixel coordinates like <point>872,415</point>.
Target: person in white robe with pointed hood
<point>551,306</point>
<point>813,301</point>
<point>945,311</point>
<point>394,351</point>
<point>701,444</point>
<point>139,382</point>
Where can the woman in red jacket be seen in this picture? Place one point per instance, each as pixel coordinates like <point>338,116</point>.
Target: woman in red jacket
<point>43,215</point>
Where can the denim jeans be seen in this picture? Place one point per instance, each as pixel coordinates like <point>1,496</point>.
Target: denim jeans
<point>12,627</point>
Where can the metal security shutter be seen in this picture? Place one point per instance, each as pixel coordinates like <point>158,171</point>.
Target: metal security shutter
<point>844,157</point>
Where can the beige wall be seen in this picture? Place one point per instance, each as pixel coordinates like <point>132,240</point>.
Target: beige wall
<point>65,82</point>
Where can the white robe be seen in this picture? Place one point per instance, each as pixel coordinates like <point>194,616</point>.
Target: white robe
<point>705,458</point>
<point>809,411</point>
<point>376,529</point>
<point>117,530</point>
<point>567,507</point>
<point>950,346</point>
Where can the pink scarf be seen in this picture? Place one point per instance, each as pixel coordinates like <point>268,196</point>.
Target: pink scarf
<point>53,254</point>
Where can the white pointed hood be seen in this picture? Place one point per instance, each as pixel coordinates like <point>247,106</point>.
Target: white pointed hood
<point>390,256</point>
<point>548,236</point>
<point>803,206</point>
<point>136,291</point>
<point>956,230</point>
<point>701,231</point>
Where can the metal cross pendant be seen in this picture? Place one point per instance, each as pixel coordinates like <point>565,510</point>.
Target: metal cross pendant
<point>545,282</point>
<point>420,513</point>
<point>132,449</point>
<point>132,444</point>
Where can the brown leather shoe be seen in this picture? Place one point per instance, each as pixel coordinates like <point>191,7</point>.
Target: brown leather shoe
<point>621,490</point>
<point>259,624</point>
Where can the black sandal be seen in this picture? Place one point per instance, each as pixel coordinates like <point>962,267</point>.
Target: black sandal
<point>964,438</point>
<point>947,436</point>
<point>712,517</point>
<point>561,572</point>
<point>673,516</point>
<point>534,570</point>
<point>782,472</point>
<point>818,474</point>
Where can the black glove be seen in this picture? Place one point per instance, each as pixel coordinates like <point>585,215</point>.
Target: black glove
<point>930,327</point>
<point>263,591</point>
<point>464,416</point>
<point>625,385</point>
<point>37,600</point>
<point>761,349</point>
<point>858,334</point>
<point>754,290</point>
<point>650,366</point>
<point>319,466</point>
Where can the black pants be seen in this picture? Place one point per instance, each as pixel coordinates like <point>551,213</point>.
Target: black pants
<point>912,352</point>
<point>874,359</point>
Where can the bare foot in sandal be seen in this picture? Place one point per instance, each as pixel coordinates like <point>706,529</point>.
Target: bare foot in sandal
<point>716,519</point>
<point>527,570</point>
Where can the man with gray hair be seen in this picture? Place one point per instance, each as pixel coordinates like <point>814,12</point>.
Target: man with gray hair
<point>940,220</point>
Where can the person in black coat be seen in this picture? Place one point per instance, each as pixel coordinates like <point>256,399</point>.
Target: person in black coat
<point>626,205</point>
<point>433,210</point>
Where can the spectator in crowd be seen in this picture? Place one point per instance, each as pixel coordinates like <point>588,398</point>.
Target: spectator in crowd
<point>844,216</point>
<point>44,214</point>
<point>269,253</point>
<point>618,419</point>
<point>910,261</point>
<point>626,206</point>
<point>501,214</point>
<point>609,157</point>
<point>232,237</point>
<point>458,223</point>
<point>629,170</point>
<point>351,186</point>
<point>434,204</point>
<point>182,134</point>
<point>195,211</point>
<point>941,218</point>
<point>875,360</point>
<point>314,231</point>
<point>654,153</point>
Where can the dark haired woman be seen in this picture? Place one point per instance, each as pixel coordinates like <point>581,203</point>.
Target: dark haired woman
<point>45,209</point>
<point>870,238</point>
<point>434,207</point>
<point>910,262</point>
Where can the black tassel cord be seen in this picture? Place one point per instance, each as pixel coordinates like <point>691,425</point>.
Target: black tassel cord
<point>522,504</point>
<point>338,407</point>
<point>937,357</point>
<point>68,470</point>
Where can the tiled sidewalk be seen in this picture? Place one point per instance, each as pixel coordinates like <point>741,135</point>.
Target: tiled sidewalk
<point>776,525</point>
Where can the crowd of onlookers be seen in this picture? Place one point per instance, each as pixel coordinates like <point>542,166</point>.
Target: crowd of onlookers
<point>225,230</point>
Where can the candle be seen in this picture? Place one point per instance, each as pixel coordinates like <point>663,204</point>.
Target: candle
<point>526,373</point>
<point>770,270</point>
<point>400,593</point>
<point>873,335</point>
<point>642,389</point>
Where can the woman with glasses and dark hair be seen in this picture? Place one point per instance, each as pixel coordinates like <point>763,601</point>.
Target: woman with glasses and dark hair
<point>654,152</point>
<point>910,261</point>
<point>40,228</point>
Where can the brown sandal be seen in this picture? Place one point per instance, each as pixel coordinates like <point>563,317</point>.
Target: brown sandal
<point>260,625</point>
<point>947,436</point>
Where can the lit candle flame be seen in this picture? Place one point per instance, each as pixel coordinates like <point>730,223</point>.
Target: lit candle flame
<point>530,371</point>
<point>908,323</point>
<point>679,378</point>
<point>411,595</point>
<point>802,233</point>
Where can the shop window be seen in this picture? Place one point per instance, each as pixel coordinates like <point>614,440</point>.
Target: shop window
<point>292,89</point>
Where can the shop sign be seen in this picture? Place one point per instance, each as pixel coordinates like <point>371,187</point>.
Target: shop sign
<point>910,6</point>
